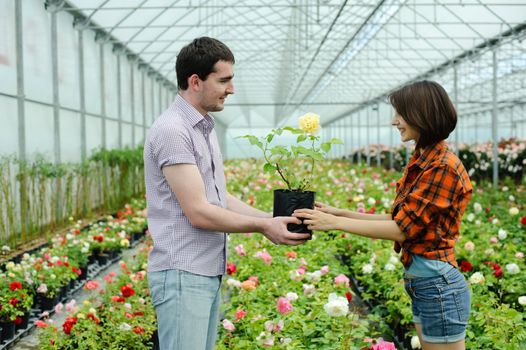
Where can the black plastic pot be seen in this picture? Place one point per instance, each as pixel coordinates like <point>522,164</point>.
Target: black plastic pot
<point>8,330</point>
<point>285,202</point>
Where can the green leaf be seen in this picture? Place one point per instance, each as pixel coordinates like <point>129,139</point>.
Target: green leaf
<point>270,137</point>
<point>326,147</point>
<point>269,168</point>
<point>301,138</point>
<point>336,141</point>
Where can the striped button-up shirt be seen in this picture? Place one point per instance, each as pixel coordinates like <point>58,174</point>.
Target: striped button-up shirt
<point>431,198</point>
<point>181,135</point>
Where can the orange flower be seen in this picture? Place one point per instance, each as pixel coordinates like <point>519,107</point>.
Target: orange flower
<point>248,285</point>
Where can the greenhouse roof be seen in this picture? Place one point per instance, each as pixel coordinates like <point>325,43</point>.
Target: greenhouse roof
<point>325,56</point>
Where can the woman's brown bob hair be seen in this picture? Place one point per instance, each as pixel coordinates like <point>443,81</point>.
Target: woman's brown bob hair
<point>425,106</point>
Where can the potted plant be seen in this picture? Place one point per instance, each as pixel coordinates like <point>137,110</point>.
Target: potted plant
<point>290,161</point>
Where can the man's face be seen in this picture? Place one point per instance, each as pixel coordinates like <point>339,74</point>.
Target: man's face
<point>217,87</point>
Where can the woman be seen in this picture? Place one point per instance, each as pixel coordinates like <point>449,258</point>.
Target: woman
<point>430,199</point>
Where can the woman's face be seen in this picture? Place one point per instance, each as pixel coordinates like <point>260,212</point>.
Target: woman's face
<point>407,132</point>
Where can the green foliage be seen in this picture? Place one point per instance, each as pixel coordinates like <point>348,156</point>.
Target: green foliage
<point>285,160</point>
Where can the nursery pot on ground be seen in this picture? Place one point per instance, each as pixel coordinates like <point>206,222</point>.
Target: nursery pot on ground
<point>286,201</point>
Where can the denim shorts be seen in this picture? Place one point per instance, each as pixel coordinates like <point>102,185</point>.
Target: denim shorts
<point>441,304</point>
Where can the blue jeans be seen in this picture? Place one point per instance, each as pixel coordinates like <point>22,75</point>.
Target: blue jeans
<point>187,307</point>
<point>441,305</point>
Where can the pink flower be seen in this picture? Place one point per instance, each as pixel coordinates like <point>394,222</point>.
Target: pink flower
<point>229,326</point>
<point>284,306</point>
<point>240,314</point>
<point>240,250</point>
<point>493,240</point>
<point>59,307</point>
<point>267,258</point>
<point>91,285</point>
<point>303,262</point>
<point>324,270</point>
<point>254,279</point>
<point>71,306</point>
<point>519,255</point>
<point>384,345</point>
<point>274,327</point>
<point>301,270</point>
<point>342,279</point>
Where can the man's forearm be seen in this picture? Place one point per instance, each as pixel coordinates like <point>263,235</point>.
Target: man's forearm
<point>238,206</point>
<point>213,218</point>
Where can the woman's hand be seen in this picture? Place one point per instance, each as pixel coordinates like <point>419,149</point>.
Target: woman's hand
<point>327,208</point>
<point>316,219</point>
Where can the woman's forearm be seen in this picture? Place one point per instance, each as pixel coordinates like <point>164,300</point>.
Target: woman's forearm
<point>359,216</point>
<point>381,229</point>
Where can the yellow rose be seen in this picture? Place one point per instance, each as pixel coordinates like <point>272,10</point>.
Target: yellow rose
<point>309,123</point>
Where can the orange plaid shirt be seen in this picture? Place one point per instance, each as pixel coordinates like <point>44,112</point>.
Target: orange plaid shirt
<point>430,199</point>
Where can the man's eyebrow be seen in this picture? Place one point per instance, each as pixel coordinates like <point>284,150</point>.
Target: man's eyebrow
<point>230,77</point>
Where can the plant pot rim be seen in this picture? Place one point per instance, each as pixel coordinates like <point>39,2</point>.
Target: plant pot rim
<point>292,191</point>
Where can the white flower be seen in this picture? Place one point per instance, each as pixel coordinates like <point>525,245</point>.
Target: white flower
<point>125,327</point>
<point>371,201</point>
<point>337,306</point>
<point>489,252</point>
<point>502,234</point>
<point>367,268</point>
<point>233,283</point>
<point>522,300</point>
<point>308,289</point>
<point>505,189</point>
<point>314,276</point>
<point>511,198</point>
<point>477,278</point>
<point>42,288</point>
<point>477,207</point>
<point>471,217</point>
<point>389,267</point>
<point>512,268</point>
<point>469,246</point>
<point>495,221</point>
<point>415,342</point>
<point>6,249</point>
<point>393,260</point>
<point>514,211</point>
<point>291,296</point>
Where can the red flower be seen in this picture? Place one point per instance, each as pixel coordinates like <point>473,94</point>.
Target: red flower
<point>68,324</point>
<point>523,220</point>
<point>117,299</point>
<point>348,295</point>
<point>129,315</point>
<point>94,318</point>
<point>291,255</point>
<point>466,266</point>
<point>14,301</point>
<point>41,324</point>
<point>497,273</point>
<point>231,268</point>
<point>138,330</point>
<point>15,285</point>
<point>18,320</point>
<point>127,291</point>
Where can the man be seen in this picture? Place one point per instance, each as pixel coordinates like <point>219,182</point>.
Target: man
<point>189,208</point>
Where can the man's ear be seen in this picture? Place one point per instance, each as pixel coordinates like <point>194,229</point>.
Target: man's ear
<point>194,82</point>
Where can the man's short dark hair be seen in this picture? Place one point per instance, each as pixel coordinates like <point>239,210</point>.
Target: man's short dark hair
<point>426,106</point>
<point>199,57</point>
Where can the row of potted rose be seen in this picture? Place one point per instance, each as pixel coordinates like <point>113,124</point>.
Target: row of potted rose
<point>495,226</point>
<point>39,280</point>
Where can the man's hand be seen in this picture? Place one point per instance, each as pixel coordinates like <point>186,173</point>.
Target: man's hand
<point>276,231</point>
